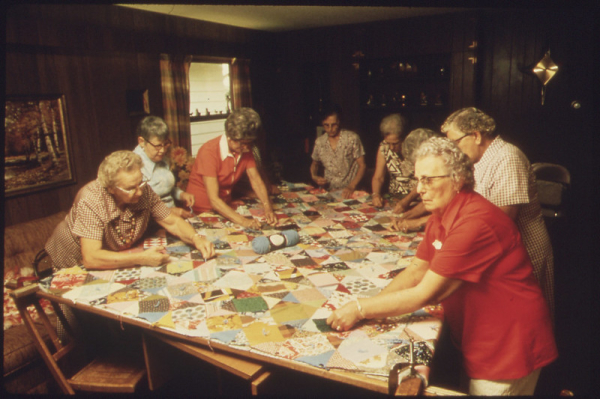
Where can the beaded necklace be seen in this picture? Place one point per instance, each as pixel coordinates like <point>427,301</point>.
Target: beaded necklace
<point>126,241</point>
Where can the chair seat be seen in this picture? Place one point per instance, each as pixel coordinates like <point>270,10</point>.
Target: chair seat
<point>115,372</point>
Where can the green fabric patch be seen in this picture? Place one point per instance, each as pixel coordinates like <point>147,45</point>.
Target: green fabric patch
<point>252,304</point>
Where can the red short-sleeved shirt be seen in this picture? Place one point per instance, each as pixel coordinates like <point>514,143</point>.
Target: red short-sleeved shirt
<point>215,160</point>
<point>498,317</point>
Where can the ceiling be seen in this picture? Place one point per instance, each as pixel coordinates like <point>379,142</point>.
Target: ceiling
<point>285,18</point>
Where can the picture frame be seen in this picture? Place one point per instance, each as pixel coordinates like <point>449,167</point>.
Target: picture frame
<point>38,153</point>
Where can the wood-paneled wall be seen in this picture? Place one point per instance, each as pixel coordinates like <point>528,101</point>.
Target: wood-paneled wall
<point>325,57</point>
<point>93,54</point>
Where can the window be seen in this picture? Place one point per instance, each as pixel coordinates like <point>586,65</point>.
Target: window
<point>210,100</point>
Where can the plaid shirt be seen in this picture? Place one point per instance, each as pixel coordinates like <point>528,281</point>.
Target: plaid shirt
<point>95,216</point>
<point>504,176</point>
<point>340,164</point>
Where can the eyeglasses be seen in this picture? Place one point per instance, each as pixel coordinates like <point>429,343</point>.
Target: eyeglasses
<point>461,137</point>
<point>427,180</point>
<point>133,190</point>
<point>159,147</point>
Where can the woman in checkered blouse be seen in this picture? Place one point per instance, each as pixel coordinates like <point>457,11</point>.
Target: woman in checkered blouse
<point>111,214</point>
<point>503,175</point>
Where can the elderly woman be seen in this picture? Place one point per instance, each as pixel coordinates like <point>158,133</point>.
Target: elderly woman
<point>153,147</point>
<point>395,155</point>
<point>504,176</point>
<point>340,152</point>
<point>221,162</point>
<point>111,214</point>
<point>473,262</point>
<point>415,217</point>
<point>393,130</point>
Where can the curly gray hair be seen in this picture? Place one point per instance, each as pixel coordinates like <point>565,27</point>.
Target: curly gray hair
<point>243,124</point>
<point>394,124</point>
<point>469,120</point>
<point>152,126</point>
<point>458,164</point>
<point>114,163</point>
<point>414,139</point>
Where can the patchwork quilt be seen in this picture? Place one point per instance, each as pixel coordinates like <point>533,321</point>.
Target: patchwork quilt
<point>276,304</point>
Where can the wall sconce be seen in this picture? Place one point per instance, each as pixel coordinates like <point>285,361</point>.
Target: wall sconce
<point>545,69</point>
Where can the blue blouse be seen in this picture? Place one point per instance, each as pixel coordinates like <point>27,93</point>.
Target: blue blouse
<point>160,178</point>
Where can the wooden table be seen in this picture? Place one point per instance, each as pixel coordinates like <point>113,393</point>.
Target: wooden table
<point>270,310</point>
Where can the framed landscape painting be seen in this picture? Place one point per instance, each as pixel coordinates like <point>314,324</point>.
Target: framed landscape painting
<point>37,151</point>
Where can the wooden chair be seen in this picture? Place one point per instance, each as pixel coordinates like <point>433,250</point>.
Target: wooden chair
<point>114,372</point>
<point>552,182</point>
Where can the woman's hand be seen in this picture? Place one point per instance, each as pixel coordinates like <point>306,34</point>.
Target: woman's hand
<point>347,192</point>
<point>377,201</point>
<point>399,208</point>
<point>204,246</point>
<point>251,224</point>
<point>188,199</point>
<point>154,256</point>
<point>270,217</point>
<point>345,317</point>
<point>406,225</point>
<point>321,181</point>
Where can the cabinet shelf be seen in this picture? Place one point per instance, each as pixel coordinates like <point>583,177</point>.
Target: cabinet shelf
<point>408,84</point>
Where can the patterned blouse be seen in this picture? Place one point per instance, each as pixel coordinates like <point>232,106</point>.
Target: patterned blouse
<point>340,164</point>
<point>401,170</point>
<point>504,176</point>
<point>96,216</point>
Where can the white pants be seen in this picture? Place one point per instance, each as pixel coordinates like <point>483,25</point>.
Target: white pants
<point>519,387</point>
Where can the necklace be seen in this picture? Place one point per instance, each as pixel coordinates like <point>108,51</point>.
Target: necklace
<point>126,241</point>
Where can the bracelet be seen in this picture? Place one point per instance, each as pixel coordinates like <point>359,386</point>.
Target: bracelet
<point>197,234</point>
<point>360,309</point>
<point>376,195</point>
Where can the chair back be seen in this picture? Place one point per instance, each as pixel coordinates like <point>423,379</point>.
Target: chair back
<point>108,373</point>
<point>552,182</point>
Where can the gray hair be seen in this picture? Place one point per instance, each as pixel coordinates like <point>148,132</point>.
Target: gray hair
<point>458,164</point>
<point>114,163</point>
<point>394,124</point>
<point>414,139</point>
<point>243,124</point>
<point>470,120</point>
<point>152,126</point>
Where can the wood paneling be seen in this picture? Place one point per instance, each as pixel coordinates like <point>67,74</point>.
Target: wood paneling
<point>93,54</point>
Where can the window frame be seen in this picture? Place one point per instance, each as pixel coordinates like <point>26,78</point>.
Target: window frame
<point>214,60</point>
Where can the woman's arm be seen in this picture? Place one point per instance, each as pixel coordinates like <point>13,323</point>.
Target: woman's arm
<point>404,204</point>
<point>182,229</point>
<point>362,166</point>
<point>96,258</point>
<point>261,192</point>
<point>378,179</point>
<point>314,170</point>
<point>212,189</point>
<point>403,297</point>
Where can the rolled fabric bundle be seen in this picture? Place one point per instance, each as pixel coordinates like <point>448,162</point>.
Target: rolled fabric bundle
<point>264,244</point>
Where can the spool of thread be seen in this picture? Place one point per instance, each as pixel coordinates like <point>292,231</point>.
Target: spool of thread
<point>287,238</point>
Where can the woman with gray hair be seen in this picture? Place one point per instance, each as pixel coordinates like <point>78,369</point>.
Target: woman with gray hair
<point>390,157</point>
<point>473,262</point>
<point>220,164</point>
<point>111,214</point>
<point>153,147</point>
<point>504,176</point>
